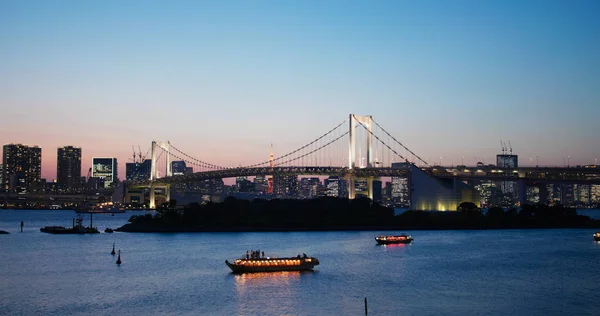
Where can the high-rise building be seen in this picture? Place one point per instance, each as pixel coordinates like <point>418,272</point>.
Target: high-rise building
<point>260,185</point>
<point>243,185</point>
<point>68,167</point>
<point>333,186</point>
<point>508,188</point>
<point>377,195</point>
<point>22,168</point>
<point>400,194</point>
<point>178,168</point>
<point>135,171</point>
<point>309,187</point>
<point>1,175</point>
<point>106,169</point>
<point>285,185</point>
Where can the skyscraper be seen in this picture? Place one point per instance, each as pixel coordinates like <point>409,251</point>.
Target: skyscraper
<point>399,192</point>
<point>178,168</point>
<point>136,171</point>
<point>68,167</point>
<point>106,169</point>
<point>22,168</point>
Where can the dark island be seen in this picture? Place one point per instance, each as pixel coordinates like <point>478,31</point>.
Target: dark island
<point>330,214</point>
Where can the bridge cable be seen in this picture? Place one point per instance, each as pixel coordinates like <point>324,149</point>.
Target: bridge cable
<point>410,151</point>
<point>299,149</point>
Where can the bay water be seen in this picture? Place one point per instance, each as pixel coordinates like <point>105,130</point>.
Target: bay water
<point>454,272</point>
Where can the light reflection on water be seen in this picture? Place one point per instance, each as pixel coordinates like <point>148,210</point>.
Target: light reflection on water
<point>267,291</point>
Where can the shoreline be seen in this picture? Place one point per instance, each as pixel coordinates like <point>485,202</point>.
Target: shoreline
<point>128,228</point>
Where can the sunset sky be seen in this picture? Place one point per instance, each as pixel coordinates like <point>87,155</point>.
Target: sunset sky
<point>222,80</point>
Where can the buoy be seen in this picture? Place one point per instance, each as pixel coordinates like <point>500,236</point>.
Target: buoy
<point>119,257</point>
<point>113,251</point>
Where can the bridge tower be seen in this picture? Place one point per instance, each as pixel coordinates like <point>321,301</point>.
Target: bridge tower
<point>166,147</point>
<point>367,122</point>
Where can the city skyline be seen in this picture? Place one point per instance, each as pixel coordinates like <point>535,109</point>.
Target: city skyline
<point>222,81</point>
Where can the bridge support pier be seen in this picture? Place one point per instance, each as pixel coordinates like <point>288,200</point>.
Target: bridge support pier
<point>152,203</point>
<point>153,187</point>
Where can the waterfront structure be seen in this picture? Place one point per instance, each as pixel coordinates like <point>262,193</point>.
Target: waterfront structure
<point>106,169</point>
<point>22,168</point>
<point>68,167</point>
<point>433,194</point>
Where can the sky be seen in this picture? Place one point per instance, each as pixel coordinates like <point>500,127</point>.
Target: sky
<point>222,80</point>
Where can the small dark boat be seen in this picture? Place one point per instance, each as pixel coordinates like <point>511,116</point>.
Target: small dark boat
<point>108,230</point>
<point>269,264</point>
<point>399,239</point>
<point>597,236</point>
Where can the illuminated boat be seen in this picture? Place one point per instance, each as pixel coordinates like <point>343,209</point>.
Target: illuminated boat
<point>269,264</point>
<point>597,236</point>
<point>106,207</point>
<point>400,239</point>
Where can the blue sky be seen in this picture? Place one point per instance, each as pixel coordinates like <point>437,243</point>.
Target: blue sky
<point>223,79</point>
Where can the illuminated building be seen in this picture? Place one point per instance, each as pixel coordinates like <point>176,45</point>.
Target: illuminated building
<point>135,171</point>
<point>595,192</point>
<point>178,168</point>
<point>309,187</point>
<point>285,185</point>
<point>22,168</point>
<point>106,169</point>
<point>433,194</point>
<point>508,188</point>
<point>68,167</point>
<point>399,194</point>
<point>243,185</point>
<point>260,185</point>
<point>333,186</point>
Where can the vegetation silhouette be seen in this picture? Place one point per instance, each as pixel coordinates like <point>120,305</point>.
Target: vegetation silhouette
<point>328,213</point>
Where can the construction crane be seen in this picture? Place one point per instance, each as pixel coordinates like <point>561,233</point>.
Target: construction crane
<point>503,147</point>
<point>509,144</point>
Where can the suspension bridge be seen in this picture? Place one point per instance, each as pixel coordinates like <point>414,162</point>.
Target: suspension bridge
<point>357,148</point>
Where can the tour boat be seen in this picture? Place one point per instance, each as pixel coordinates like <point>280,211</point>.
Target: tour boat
<point>270,264</point>
<point>597,236</point>
<point>400,239</point>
